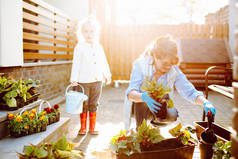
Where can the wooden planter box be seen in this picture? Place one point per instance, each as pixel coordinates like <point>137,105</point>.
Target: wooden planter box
<point>168,152</point>
<point>15,134</point>
<point>20,103</point>
<point>221,133</point>
<point>55,119</point>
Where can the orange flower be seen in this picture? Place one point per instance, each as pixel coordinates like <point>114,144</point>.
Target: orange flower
<point>42,118</point>
<point>25,113</point>
<point>11,116</point>
<point>19,118</point>
<point>44,112</point>
<point>11,77</point>
<point>33,111</point>
<point>32,116</point>
<point>26,127</point>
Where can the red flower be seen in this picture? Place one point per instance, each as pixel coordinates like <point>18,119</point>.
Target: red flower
<point>47,110</point>
<point>52,109</point>
<point>121,138</point>
<point>56,106</point>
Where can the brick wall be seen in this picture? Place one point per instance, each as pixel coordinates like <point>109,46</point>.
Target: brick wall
<point>54,78</point>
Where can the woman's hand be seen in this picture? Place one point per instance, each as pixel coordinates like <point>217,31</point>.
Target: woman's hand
<point>208,106</point>
<point>74,83</point>
<point>151,103</point>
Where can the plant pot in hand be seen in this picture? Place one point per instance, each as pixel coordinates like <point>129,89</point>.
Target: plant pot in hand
<point>162,113</point>
<point>160,94</point>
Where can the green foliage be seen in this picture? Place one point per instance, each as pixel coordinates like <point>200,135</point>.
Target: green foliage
<point>125,143</point>
<point>147,135</point>
<point>62,149</point>
<point>129,142</point>
<point>156,90</point>
<point>222,150</point>
<point>11,89</point>
<point>183,134</point>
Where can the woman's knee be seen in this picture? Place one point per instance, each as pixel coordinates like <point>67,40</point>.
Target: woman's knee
<point>172,114</point>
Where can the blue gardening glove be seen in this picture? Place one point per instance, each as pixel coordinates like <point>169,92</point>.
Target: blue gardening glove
<point>151,103</point>
<point>208,106</point>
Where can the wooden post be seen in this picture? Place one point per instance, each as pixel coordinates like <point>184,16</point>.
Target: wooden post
<point>234,138</point>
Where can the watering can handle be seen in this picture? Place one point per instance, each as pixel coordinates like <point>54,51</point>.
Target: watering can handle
<point>42,102</point>
<point>71,86</point>
<point>23,109</point>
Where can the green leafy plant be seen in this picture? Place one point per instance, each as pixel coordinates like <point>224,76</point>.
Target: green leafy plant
<point>125,143</point>
<point>62,149</point>
<point>183,133</point>
<point>11,90</point>
<point>129,142</point>
<point>222,150</point>
<point>157,90</point>
<point>148,136</point>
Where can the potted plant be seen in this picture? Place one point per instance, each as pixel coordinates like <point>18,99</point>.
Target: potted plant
<point>57,111</point>
<point>222,150</point>
<point>27,123</point>
<point>53,113</point>
<point>159,93</point>
<point>16,126</point>
<point>61,149</point>
<point>43,120</point>
<point>147,143</point>
<point>16,93</point>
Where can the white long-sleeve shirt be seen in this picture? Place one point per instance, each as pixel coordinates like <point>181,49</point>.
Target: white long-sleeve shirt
<point>89,63</point>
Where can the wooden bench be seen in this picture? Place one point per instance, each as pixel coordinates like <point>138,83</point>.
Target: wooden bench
<point>225,90</point>
<point>197,55</point>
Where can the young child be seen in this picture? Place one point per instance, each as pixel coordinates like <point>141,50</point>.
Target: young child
<point>90,69</point>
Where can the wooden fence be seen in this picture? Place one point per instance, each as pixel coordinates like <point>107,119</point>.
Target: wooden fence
<point>123,44</point>
<point>219,17</point>
<point>47,33</point>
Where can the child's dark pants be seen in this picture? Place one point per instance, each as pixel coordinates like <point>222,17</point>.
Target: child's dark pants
<point>93,91</point>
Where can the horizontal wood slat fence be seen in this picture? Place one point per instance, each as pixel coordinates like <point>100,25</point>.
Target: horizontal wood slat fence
<point>47,32</point>
<point>123,44</point>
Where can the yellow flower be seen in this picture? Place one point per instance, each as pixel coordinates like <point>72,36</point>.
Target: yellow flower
<point>26,127</point>
<point>19,118</point>
<point>25,113</point>
<point>11,116</point>
<point>42,117</point>
<point>44,112</point>
<point>32,115</point>
<point>33,111</point>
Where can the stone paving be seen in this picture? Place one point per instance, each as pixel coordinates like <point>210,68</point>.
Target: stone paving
<point>110,120</point>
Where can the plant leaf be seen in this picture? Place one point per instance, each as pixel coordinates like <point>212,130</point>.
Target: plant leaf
<point>176,130</point>
<point>28,150</point>
<point>12,102</point>
<point>40,152</point>
<point>62,144</point>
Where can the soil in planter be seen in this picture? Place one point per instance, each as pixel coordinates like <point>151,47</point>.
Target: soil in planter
<point>208,139</point>
<point>164,145</point>
<point>166,149</point>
